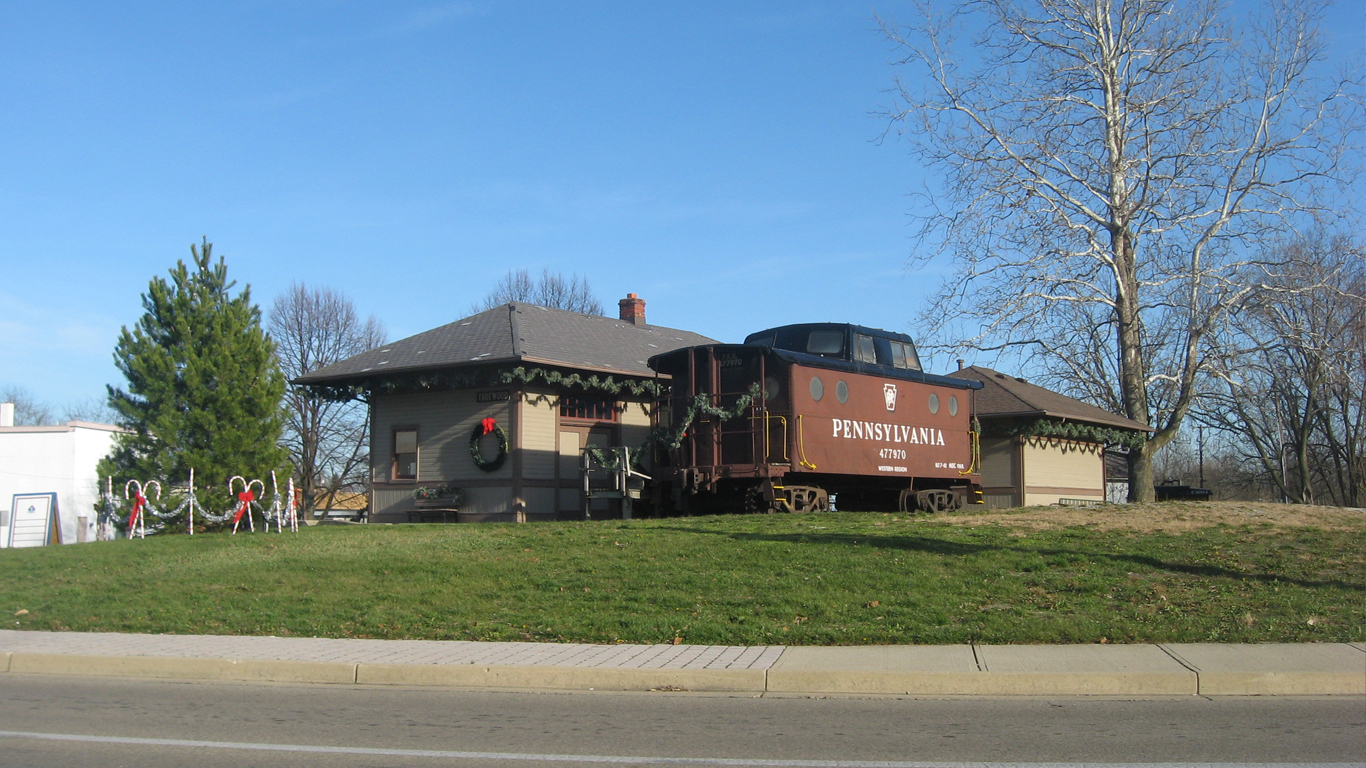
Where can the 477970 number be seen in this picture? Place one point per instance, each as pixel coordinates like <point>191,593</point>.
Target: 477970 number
<point>891,453</point>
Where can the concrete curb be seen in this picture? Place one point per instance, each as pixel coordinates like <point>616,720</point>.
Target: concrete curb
<point>563,678</point>
<point>1273,669</point>
<point>982,671</point>
<point>1079,670</point>
<point>250,670</point>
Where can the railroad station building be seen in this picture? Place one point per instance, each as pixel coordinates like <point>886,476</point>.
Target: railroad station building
<point>1039,446</point>
<point>500,404</point>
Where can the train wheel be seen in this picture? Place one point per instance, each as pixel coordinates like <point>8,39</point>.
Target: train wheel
<point>820,502</point>
<point>936,500</point>
<point>804,498</point>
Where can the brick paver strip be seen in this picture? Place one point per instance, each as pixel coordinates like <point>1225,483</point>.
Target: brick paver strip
<point>393,651</point>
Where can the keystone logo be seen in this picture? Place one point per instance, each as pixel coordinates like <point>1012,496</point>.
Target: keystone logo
<point>889,394</point>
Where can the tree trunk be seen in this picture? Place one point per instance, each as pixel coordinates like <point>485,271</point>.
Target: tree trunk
<point>1141,474</point>
<point>1129,339</point>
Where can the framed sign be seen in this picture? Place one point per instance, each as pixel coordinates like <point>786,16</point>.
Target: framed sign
<point>33,517</point>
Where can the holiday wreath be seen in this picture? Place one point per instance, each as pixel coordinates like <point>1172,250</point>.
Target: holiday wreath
<point>483,428</point>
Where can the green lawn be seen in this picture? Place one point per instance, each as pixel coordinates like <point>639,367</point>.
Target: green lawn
<point>836,578</point>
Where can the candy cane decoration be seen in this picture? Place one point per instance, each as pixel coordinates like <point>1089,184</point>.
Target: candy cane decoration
<point>282,511</point>
<point>189,506</point>
<point>292,508</point>
<point>137,518</point>
<point>277,512</point>
<point>191,502</point>
<point>245,498</point>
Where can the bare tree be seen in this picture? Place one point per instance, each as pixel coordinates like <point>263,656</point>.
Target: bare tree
<point>553,290</point>
<point>1108,162</point>
<point>92,409</point>
<point>1288,380</point>
<point>328,440</point>
<point>29,411</point>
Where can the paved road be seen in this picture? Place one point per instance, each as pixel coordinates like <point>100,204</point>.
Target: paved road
<point>148,723</point>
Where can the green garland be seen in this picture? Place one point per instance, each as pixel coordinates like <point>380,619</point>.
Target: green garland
<point>488,465</point>
<point>1068,430</point>
<point>489,377</point>
<point>593,383</point>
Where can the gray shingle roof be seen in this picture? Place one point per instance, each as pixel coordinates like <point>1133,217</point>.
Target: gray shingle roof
<point>1004,395</point>
<point>518,333</point>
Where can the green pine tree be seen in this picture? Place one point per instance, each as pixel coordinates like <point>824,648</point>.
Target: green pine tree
<point>204,388</point>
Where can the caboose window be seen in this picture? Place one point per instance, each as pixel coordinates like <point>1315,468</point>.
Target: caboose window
<point>588,407</point>
<point>898,355</point>
<point>912,359</point>
<point>864,350</point>
<point>825,342</point>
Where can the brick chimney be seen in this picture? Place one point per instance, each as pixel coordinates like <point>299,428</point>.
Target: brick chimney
<point>632,309</point>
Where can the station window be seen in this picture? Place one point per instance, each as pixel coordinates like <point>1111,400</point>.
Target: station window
<point>588,407</point>
<point>405,454</point>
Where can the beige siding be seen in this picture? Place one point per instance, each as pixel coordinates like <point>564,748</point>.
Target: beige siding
<point>569,456</point>
<point>540,418</point>
<point>444,421</point>
<point>635,424</point>
<point>1057,469</point>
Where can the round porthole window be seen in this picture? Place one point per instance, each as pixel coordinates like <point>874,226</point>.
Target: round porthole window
<point>817,388</point>
<point>771,388</point>
<point>842,392</point>
<point>934,402</point>
<point>953,405</point>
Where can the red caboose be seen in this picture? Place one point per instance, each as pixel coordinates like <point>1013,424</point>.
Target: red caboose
<point>804,411</point>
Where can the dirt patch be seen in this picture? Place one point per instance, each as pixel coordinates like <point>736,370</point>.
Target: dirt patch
<point>1173,516</point>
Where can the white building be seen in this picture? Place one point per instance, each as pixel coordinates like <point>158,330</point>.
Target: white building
<point>58,460</point>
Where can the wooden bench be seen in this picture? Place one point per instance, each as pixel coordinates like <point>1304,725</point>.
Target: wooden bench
<point>431,514</point>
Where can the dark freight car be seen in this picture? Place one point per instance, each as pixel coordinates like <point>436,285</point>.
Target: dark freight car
<point>804,411</point>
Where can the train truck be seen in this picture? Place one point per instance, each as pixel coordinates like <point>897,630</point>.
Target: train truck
<point>802,413</point>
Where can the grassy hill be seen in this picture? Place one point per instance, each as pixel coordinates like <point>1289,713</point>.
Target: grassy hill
<point>1221,572</point>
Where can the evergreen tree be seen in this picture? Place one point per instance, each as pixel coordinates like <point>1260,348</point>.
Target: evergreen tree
<point>204,388</point>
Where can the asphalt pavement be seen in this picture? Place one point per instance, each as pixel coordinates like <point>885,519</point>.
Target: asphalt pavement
<point>52,720</point>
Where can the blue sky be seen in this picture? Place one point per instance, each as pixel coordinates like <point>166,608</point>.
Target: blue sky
<point>719,159</point>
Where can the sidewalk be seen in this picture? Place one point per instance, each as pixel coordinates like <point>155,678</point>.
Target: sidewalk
<point>981,670</point>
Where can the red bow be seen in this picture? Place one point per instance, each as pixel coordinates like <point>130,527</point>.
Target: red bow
<point>246,497</point>
<point>489,425</point>
<point>138,501</point>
